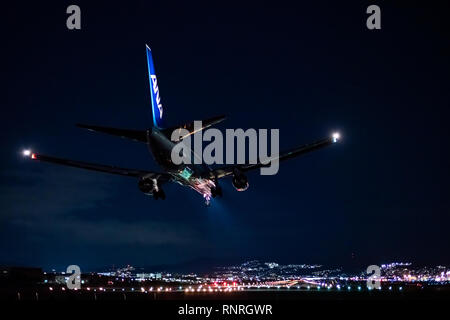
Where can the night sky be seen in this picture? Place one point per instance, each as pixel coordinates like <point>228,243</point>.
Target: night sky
<point>380,195</point>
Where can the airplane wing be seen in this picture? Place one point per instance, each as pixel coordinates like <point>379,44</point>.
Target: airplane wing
<point>295,152</point>
<point>162,177</point>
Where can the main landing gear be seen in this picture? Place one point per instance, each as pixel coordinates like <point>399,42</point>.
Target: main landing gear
<point>216,192</point>
<point>159,194</point>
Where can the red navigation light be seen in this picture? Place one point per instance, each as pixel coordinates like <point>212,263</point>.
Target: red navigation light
<point>33,156</point>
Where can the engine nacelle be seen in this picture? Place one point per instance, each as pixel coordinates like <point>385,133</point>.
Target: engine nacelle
<point>240,182</point>
<point>150,187</point>
<point>147,186</point>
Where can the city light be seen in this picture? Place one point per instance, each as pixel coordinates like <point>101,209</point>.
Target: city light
<point>257,277</point>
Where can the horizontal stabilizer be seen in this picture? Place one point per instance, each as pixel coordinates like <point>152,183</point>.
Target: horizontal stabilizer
<point>192,129</point>
<point>136,135</point>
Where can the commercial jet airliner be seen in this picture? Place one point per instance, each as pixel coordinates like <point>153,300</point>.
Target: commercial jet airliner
<point>199,177</point>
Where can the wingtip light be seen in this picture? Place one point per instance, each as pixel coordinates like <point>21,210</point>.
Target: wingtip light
<point>28,153</point>
<point>336,136</point>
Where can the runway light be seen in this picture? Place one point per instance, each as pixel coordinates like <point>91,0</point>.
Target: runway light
<point>336,136</point>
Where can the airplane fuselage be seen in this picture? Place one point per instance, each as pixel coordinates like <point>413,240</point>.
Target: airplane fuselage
<point>190,175</point>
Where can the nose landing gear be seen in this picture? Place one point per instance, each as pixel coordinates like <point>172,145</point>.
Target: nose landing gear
<point>159,194</point>
<point>207,200</point>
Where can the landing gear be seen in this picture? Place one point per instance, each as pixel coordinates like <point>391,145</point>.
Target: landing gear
<point>217,191</point>
<point>159,194</point>
<point>207,199</point>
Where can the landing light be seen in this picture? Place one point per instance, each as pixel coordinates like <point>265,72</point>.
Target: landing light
<point>336,136</point>
<point>26,153</point>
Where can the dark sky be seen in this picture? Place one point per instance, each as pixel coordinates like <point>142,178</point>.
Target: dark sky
<point>380,195</point>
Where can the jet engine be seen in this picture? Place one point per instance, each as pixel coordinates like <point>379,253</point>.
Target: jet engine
<point>151,188</point>
<point>240,181</point>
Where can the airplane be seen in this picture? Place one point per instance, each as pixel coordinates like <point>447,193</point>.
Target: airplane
<point>198,177</point>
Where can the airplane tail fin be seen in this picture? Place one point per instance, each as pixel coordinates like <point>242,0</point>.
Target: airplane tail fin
<point>157,109</point>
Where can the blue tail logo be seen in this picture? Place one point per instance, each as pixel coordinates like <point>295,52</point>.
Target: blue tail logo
<point>156,91</point>
<point>157,108</point>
